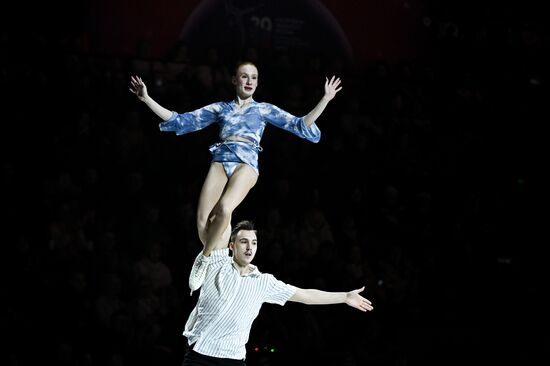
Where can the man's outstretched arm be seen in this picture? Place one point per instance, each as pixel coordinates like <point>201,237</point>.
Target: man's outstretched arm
<point>319,297</point>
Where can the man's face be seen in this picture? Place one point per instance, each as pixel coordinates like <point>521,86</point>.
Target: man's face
<point>244,247</point>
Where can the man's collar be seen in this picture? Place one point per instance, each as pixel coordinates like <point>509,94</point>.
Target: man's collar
<point>252,270</point>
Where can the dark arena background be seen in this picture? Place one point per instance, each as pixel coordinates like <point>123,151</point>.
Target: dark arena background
<point>422,187</point>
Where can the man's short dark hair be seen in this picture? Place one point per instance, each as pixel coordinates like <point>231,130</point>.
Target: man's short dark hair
<point>242,225</point>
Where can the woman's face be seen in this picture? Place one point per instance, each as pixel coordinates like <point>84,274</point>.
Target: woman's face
<point>246,81</point>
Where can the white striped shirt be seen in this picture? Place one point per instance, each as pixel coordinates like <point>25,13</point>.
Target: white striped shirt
<point>228,303</point>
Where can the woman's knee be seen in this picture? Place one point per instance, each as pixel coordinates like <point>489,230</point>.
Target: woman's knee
<point>202,224</point>
<point>203,217</point>
<point>223,210</point>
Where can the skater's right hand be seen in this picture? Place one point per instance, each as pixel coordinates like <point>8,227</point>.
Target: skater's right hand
<point>138,87</point>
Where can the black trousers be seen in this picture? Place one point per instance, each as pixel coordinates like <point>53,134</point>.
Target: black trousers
<point>193,358</point>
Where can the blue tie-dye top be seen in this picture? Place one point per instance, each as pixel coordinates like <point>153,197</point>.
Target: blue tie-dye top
<point>249,122</point>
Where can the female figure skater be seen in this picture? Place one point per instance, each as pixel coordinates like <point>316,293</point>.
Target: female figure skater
<point>234,168</point>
